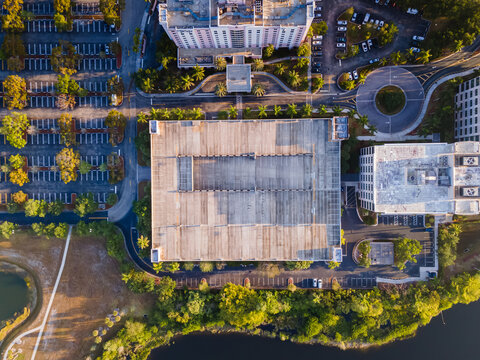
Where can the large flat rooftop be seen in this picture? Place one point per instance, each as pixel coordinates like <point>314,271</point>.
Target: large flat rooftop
<point>245,190</point>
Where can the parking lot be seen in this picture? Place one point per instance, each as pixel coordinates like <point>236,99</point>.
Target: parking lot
<point>402,220</point>
<point>87,26</point>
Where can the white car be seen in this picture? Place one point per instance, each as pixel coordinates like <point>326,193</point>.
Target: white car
<point>342,28</point>
<point>415,50</point>
<point>341,45</point>
<point>318,8</point>
<point>377,1</point>
<point>355,74</point>
<point>342,22</point>
<point>317,37</point>
<point>380,24</point>
<point>369,43</point>
<point>320,283</point>
<point>418,38</point>
<point>372,21</point>
<point>364,46</point>
<point>376,23</point>
<point>412,11</point>
<point>317,42</point>
<point>314,283</point>
<point>350,77</point>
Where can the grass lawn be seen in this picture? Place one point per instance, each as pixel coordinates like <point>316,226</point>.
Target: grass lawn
<point>357,33</point>
<point>290,66</point>
<point>390,100</point>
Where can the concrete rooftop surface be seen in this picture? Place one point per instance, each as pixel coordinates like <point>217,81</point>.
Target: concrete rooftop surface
<point>266,190</point>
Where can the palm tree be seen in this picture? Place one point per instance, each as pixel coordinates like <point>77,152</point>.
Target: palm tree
<point>142,118</point>
<point>221,89</point>
<point>246,112</point>
<point>279,69</point>
<point>262,111</point>
<point>457,46</point>
<point>292,110</point>
<point>179,113</point>
<point>197,113</point>
<point>349,84</point>
<point>363,120</point>
<point>307,110</point>
<point>337,110</point>
<point>373,129</point>
<point>383,61</point>
<point>396,57</point>
<point>361,78</point>
<point>302,62</point>
<point>172,84</point>
<point>318,82</point>
<point>147,85</point>
<point>157,267</point>
<point>293,78</point>
<point>156,114</point>
<point>258,90</point>
<point>198,73</point>
<point>277,110</point>
<point>258,65</point>
<point>143,242</point>
<point>165,60</point>
<point>232,112</point>
<point>165,114</point>
<point>187,82</point>
<point>409,53</point>
<point>322,109</point>
<point>352,113</point>
<point>220,63</point>
<point>424,56</point>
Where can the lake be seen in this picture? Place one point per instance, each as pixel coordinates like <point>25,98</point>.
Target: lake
<point>13,294</point>
<point>458,339</point>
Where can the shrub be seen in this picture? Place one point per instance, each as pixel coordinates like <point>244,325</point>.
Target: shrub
<point>206,266</point>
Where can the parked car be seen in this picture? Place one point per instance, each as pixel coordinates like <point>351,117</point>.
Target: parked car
<point>314,283</point>
<point>380,24</point>
<point>342,28</point>
<point>386,2</point>
<point>317,42</point>
<point>316,48</point>
<point>354,17</point>
<point>316,70</point>
<point>318,8</point>
<point>415,49</point>
<point>414,43</point>
<point>341,39</point>
<point>355,74</point>
<point>107,50</point>
<point>377,1</point>
<point>364,47</point>
<point>320,283</point>
<point>366,18</point>
<point>412,11</point>
<point>369,43</point>
<point>318,15</point>
<point>376,23</point>
<point>317,37</point>
<point>350,77</point>
<point>374,60</point>
<point>342,22</point>
<point>341,45</point>
<point>418,38</point>
<point>318,53</point>
<point>372,21</point>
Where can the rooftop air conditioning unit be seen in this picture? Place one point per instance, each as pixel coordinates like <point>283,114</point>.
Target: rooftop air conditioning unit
<point>470,161</point>
<point>470,191</point>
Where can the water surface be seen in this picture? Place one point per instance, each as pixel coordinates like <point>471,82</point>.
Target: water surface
<point>13,295</point>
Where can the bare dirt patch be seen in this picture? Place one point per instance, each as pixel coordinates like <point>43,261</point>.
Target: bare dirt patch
<point>89,290</point>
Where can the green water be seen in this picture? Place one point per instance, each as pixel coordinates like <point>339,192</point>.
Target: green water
<point>13,294</point>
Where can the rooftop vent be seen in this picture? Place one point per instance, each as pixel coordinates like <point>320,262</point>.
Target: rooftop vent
<point>470,161</point>
<point>470,191</point>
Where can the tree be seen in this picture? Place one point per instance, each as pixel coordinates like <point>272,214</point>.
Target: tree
<point>279,69</point>
<point>258,90</point>
<point>19,197</point>
<point>15,128</point>
<point>18,177</point>
<point>307,110</point>
<point>66,125</point>
<point>302,63</point>
<point>258,65</point>
<point>220,63</point>
<point>333,265</point>
<point>387,34</point>
<point>383,61</point>
<point>239,306</point>
<point>15,92</point>
<point>111,10</point>
<point>298,265</point>
<point>205,266</point>
<point>63,14</point>
<point>448,238</point>
<point>304,50</point>
<point>423,56</point>
<point>293,78</point>
<point>84,167</point>
<point>221,89</point>
<point>85,204</point>
<point>198,73</point>
<point>322,109</point>
<point>277,110</point>
<point>61,231</point>
<point>457,45</point>
<point>35,208</point>
<point>12,20</point>
<point>157,267</point>
<point>362,77</point>
<point>292,110</point>
<point>397,58</point>
<point>116,123</point>
<point>349,84</point>
<point>337,110</point>
<point>262,111</point>
<point>187,82</point>
<point>363,120</point>
<point>64,58</point>
<point>317,83</point>
<point>7,229</point>
<point>268,51</point>
<point>13,50</point>
<point>319,28</point>
<point>232,112</point>
<point>68,161</point>
<point>55,207</point>
<point>16,161</point>
<point>143,242</point>
<point>112,199</point>
<point>364,249</point>
<point>405,250</point>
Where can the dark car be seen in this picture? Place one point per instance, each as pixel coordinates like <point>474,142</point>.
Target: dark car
<point>341,39</point>
<point>316,48</point>
<point>316,70</point>
<point>318,53</point>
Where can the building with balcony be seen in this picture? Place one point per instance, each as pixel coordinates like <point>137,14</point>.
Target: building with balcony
<point>467,114</point>
<point>426,178</point>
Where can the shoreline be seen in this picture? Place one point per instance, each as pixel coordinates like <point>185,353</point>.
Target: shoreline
<point>34,301</point>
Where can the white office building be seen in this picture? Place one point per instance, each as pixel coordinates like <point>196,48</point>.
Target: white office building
<point>236,24</point>
<point>426,178</point>
<point>467,127</point>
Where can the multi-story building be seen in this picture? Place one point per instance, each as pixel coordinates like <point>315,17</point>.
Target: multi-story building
<point>427,178</point>
<point>235,24</point>
<point>467,127</point>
